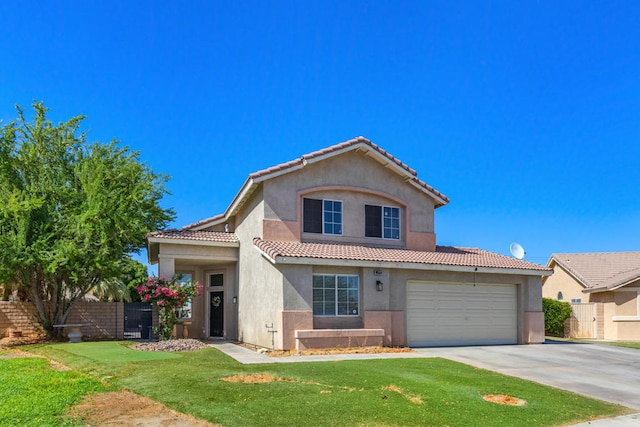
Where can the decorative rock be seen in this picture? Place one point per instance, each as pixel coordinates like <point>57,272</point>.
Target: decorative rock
<point>171,345</point>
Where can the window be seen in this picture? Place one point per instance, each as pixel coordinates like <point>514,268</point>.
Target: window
<point>382,221</point>
<point>185,311</point>
<point>560,297</point>
<point>322,216</point>
<point>335,295</point>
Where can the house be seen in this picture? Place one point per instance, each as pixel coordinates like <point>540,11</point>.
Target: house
<point>606,284</point>
<point>338,248</point>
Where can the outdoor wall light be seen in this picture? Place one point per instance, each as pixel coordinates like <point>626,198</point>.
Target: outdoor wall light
<point>235,300</point>
<point>378,285</point>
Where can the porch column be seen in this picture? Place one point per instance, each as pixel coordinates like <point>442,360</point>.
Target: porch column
<point>166,267</point>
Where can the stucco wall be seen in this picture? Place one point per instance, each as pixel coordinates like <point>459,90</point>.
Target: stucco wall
<point>561,281</point>
<point>621,314</point>
<point>260,296</point>
<point>356,180</point>
<point>386,308</point>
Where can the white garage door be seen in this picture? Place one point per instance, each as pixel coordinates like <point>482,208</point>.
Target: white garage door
<point>442,314</point>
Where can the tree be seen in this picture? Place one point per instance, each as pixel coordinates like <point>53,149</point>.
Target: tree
<point>70,212</point>
<point>123,288</point>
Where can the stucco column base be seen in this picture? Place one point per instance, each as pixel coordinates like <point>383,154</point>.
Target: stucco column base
<point>533,327</point>
<point>288,322</point>
<point>391,321</point>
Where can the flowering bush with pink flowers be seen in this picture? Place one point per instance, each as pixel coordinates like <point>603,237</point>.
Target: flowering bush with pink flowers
<point>168,296</point>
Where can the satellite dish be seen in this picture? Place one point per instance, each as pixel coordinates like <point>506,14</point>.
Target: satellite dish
<point>517,250</point>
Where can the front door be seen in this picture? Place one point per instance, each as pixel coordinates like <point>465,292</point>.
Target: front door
<point>216,313</point>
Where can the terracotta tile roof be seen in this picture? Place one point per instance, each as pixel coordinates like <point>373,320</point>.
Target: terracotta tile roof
<point>443,255</point>
<point>204,236</point>
<point>600,270</point>
<point>203,221</point>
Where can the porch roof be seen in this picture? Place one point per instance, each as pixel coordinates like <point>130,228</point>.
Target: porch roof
<point>201,236</point>
<point>447,258</point>
<point>188,237</point>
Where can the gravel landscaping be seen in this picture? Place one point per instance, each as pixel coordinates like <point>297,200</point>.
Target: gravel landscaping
<point>171,345</point>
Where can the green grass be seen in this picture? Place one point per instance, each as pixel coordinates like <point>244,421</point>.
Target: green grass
<point>373,393</point>
<point>34,394</point>
<point>628,344</point>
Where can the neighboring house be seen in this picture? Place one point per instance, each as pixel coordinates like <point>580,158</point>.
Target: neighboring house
<point>338,248</point>
<point>608,281</point>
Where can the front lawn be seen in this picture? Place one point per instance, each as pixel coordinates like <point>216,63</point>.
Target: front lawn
<point>34,393</point>
<point>210,385</point>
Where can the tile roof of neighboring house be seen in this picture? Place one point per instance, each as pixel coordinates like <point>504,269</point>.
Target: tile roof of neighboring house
<point>443,255</point>
<point>602,271</point>
<point>204,236</point>
<point>360,142</point>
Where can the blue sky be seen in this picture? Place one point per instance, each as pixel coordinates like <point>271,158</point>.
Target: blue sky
<point>525,114</point>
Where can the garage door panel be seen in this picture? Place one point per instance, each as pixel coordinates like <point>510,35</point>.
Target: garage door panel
<point>440,314</point>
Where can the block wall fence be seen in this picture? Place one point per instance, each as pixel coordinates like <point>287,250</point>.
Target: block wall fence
<point>105,319</point>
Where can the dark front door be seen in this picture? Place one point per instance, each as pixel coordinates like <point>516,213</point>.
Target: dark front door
<point>216,313</point>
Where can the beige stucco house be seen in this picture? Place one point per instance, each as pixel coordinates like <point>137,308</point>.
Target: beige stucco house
<point>606,284</point>
<point>338,248</point>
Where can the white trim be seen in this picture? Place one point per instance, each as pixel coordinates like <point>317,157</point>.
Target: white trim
<point>626,318</point>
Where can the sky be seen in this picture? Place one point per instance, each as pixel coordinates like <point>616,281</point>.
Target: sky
<point>525,114</point>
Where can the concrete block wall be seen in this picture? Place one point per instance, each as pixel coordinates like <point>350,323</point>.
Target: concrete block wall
<point>105,320</point>
<point>18,316</point>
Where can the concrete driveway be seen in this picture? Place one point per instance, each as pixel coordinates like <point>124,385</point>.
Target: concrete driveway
<point>600,371</point>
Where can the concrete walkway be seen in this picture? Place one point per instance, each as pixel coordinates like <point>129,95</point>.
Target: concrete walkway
<point>603,372</point>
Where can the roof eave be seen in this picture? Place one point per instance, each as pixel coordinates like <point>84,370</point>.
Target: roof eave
<point>192,242</point>
<point>569,271</point>
<point>400,265</point>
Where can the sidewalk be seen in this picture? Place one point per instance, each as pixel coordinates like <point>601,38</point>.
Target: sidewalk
<point>249,357</point>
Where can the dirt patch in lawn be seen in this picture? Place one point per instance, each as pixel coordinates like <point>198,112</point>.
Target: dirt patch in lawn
<point>255,379</point>
<point>130,410</point>
<point>417,399</point>
<point>8,342</point>
<point>15,353</point>
<point>503,399</point>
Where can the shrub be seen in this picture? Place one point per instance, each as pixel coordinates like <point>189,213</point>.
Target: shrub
<point>168,296</point>
<point>555,314</point>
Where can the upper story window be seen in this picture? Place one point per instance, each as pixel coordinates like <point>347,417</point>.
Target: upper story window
<point>322,216</point>
<point>382,221</point>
